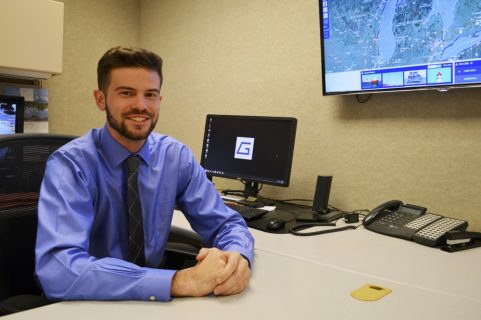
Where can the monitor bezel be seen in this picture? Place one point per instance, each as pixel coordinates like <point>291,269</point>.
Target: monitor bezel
<point>19,112</point>
<point>255,179</point>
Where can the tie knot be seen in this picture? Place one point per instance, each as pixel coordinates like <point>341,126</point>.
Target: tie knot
<point>133,163</point>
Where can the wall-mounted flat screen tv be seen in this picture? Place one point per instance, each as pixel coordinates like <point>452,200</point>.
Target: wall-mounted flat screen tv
<point>393,45</point>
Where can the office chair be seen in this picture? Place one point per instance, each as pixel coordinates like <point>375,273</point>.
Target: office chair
<point>22,165</point>
<point>181,249</point>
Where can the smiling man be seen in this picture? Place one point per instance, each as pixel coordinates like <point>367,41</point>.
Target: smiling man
<point>83,233</point>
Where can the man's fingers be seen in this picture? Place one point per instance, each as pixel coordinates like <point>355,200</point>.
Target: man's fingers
<point>232,263</point>
<point>202,254</point>
<point>237,281</point>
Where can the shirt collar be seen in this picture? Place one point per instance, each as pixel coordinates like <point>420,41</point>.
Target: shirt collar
<point>115,153</point>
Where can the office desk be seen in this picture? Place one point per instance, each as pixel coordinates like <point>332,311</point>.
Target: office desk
<point>313,277</point>
<point>281,287</point>
<point>382,257</point>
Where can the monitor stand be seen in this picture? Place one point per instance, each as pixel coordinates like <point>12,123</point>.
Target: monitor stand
<point>251,189</point>
<point>322,216</point>
<point>255,203</point>
<point>251,196</point>
<point>327,216</point>
<point>248,197</point>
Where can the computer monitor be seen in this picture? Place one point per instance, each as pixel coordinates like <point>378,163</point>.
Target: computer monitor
<point>253,149</point>
<point>11,114</point>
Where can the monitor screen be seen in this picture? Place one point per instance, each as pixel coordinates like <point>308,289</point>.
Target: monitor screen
<point>253,149</point>
<point>388,45</point>
<point>11,114</point>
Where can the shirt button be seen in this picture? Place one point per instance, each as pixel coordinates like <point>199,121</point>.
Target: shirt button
<point>152,298</point>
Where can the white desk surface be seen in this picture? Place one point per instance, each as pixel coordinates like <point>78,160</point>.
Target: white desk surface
<point>312,278</point>
<point>381,257</point>
<point>281,288</point>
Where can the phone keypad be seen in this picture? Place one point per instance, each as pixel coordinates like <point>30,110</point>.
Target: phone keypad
<point>422,221</point>
<point>439,228</point>
<point>396,218</point>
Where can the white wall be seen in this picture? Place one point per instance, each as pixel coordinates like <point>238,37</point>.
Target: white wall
<point>263,58</point>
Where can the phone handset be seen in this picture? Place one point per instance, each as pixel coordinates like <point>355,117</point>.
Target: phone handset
<point>389,205</point>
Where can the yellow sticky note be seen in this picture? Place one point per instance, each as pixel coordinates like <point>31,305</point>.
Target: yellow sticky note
<point>370,292</point>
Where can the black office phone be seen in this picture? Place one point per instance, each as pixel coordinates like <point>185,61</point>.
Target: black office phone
<point>411,222</point>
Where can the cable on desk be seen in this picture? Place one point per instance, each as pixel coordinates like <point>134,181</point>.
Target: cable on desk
<point>292,202</point>
<point>295,230</point>
<point>361,212</point>
<point>231,192</point>
<point>349,217</point>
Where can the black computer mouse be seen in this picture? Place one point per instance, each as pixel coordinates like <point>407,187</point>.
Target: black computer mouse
<point>275,224</point>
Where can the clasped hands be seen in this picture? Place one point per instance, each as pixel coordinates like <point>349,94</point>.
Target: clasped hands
<point>219,272</point>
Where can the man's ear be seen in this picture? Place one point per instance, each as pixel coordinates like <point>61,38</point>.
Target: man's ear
<point>100,99</point>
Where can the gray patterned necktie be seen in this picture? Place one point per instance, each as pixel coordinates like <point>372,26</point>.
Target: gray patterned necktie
<point>136,228</point>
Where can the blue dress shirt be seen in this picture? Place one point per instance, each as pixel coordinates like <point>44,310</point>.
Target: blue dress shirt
<point>82,231</point>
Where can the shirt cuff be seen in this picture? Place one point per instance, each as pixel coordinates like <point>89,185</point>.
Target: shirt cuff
<point>247,254</point>
<point>156,285</point>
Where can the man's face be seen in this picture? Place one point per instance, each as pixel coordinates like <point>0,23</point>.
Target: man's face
<point>132,103</point>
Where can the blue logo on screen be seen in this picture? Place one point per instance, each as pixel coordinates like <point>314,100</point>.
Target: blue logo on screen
<point>244,148</point>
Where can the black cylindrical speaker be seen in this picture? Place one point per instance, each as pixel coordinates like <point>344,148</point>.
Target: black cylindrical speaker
<point>321,196</point>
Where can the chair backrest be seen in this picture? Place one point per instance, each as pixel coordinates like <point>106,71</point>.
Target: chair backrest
<point>22,165</point>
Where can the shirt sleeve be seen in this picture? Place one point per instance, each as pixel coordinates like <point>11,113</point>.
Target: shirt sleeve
<point>64,267</point>
<point>203,207</point>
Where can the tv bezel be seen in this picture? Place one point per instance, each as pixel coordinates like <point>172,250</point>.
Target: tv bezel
<point>440,88</point>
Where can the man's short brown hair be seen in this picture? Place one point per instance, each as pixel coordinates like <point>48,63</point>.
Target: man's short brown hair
<point>125,57</point>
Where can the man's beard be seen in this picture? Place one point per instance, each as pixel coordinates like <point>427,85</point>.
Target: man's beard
<point>121,128</point>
